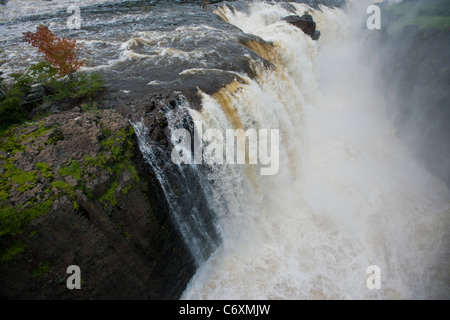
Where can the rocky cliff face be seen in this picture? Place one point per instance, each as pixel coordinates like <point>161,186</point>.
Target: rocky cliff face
<point>76,191</point>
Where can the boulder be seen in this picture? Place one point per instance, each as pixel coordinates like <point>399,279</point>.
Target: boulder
<point>305,23</point>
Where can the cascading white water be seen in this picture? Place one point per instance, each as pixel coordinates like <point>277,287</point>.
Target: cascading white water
<point>348,194</point>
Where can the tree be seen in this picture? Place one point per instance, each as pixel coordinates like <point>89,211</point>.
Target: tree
<point>59,52</point>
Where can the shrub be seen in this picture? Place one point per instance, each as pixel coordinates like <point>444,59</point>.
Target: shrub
<point>82,86</point>
<point>11,109</point>
<point>60,53</point>
<point>60,61</point>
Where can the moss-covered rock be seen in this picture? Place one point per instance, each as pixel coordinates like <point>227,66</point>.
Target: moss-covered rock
<point>74,189</point>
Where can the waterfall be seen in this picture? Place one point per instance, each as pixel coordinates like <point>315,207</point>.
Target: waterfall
<point>186,189</point>
<point>348,194</point>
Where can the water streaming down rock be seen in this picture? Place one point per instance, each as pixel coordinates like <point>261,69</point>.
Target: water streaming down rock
<point>348,194</point>
<point>185,187</point>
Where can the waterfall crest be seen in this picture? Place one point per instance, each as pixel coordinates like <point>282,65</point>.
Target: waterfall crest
<point>348,194</point>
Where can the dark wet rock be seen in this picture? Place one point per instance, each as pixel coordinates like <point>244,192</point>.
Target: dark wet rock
<point>305,23</point>
<point>316,35</point>
<point>104,214</point>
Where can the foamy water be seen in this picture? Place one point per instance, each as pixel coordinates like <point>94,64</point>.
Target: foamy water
<point>348,194</point>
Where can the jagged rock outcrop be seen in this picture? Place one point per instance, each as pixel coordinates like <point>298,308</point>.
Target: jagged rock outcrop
<point>76,191</point>
<point>305,23</point>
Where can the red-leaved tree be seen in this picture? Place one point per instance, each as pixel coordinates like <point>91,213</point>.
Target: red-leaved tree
<point>59,52</point>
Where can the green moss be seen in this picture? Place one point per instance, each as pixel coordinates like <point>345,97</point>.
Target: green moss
<point>41,270</point>
<point>55,136</point>
<point>68,190</point>
<point>42,166</point>
<point>73,169</point>
<point>84,188</point>
<point>33,135</point>
<point>126,189</point>
<point>110,195</point>
<point>13,220</point>
<point>64,187</point>
<point>133,172</point>
<point>86,107</point>
<point>12,144</point>
<point>25,180</point>
<point>115,157</point>
<point>45,170</point>
<point>8,254</point>
<point>106,131</point>
<point>4,195</point>
<point>12,175</point>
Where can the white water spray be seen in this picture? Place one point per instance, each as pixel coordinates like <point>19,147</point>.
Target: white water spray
<point>348,194</point>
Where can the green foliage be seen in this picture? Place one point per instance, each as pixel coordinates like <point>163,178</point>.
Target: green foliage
<point>73,169</point>
<point>11,110</point>
<point>13,176</point>
<point>25,180</point>
<point>45,170</point>
<point>77,87</point>
<point>41,270</point>
<point>64,187</point>
<point>37,133</point>
<point>114,158</point>
<point>22,81</point>
<point>11,144</point>
<point>110,195</point>
<point>83,86</point>
<point>89,107</point>
<point>4,195</point>
<point>8,254</point>
<point>42,73</point>
<point>55,136</point>
<point>68,190</point>
<point>13,220</point>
